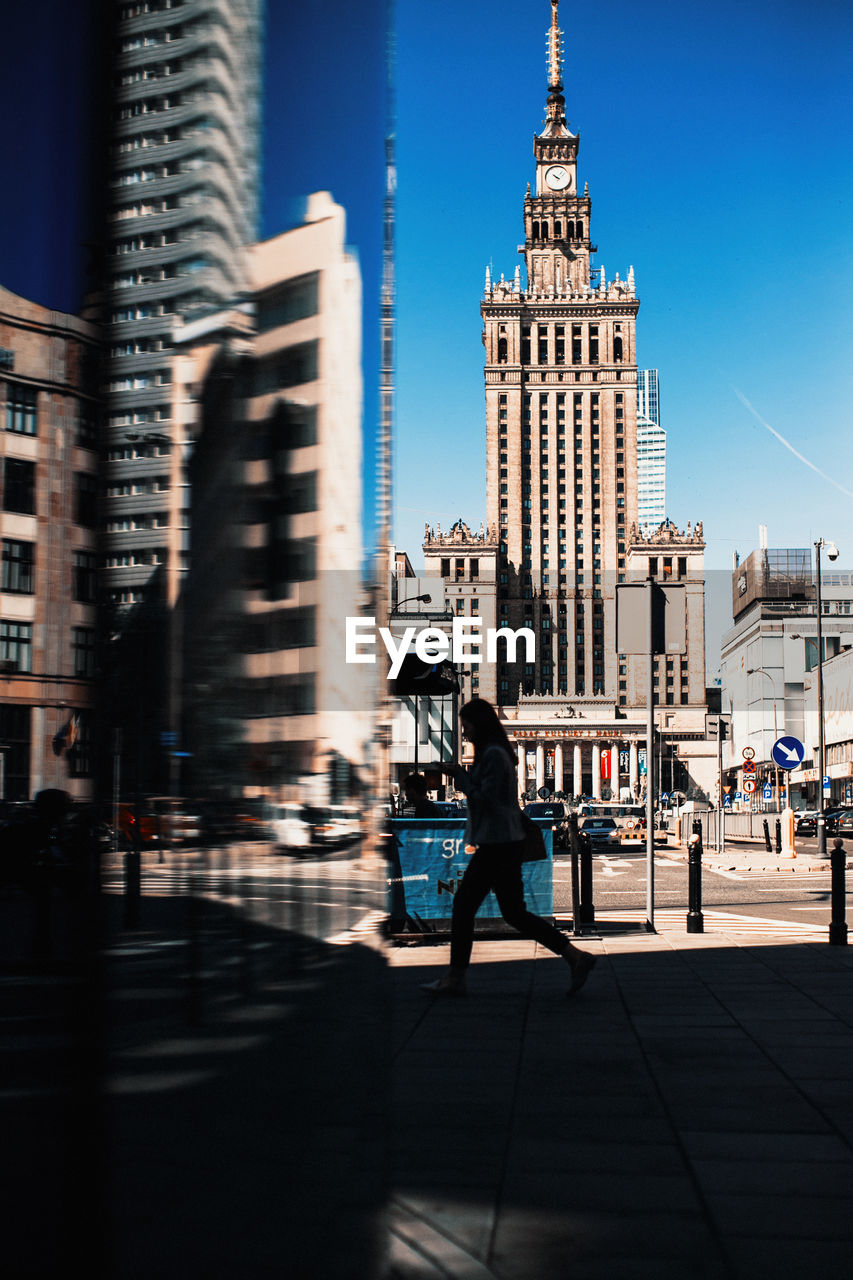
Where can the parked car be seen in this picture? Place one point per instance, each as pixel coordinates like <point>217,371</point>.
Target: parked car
<point>334,826</point>
<point>546,810</point>
<point>291,828</point>
<point>840,822</point>
<point>449,809</point>
<point>600,830</point>
<point>807,824</point>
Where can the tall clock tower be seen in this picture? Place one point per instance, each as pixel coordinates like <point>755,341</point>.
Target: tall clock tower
<point>561,428</point>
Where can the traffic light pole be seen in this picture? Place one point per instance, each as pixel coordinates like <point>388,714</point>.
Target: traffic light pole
<point>721,837</point>
<point>650,768</point>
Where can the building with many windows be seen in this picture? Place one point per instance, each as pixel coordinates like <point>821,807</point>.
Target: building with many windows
<point>651,453</point>
<point>768,664</point>
<point>183,204</point>
<point>48,519</point>
<point>272,397</point>
<point>561,390</point>
<point>561,427</point>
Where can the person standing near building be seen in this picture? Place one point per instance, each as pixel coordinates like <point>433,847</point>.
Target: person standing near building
<point>417,803</point>
<point>495,826</point>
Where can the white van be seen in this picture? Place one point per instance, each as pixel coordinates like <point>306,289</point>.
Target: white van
<point>291,827</point>
<point>334,826</point>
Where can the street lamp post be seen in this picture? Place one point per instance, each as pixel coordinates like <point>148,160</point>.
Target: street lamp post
<point>832,553</point>
<point>751,671</point>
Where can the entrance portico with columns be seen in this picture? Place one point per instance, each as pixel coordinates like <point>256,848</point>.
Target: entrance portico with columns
<point>578,749</point>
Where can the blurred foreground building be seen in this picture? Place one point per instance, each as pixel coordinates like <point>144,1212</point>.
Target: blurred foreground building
<point>48,522</point>
<point>273,400</point>
<point>182,208</point>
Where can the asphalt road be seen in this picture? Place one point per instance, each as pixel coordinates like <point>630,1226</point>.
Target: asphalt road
<point>338,897</point>
<point>334,897</point>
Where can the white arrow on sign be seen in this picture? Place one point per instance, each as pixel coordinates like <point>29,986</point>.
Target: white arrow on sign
<point>788,753</point>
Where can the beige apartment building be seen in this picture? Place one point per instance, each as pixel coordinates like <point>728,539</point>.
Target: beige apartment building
<point>48,524</point>
<point>271,395</point>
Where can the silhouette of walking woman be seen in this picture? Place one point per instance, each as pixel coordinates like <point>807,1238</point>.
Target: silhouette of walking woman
<point>494,826</point>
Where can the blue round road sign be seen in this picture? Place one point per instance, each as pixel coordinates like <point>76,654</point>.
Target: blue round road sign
<point>788,753</point>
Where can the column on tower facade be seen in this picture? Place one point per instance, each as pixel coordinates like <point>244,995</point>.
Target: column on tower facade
<point>540,765</point>
<point>558,767</point>
<point>577,771</point>
<point>522,767</point>
<point>633,769</point>
<point>596,771</point>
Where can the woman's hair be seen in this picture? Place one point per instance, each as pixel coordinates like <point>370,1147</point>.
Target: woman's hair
<point>482,717</point>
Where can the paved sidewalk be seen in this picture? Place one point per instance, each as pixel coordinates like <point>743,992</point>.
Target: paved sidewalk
<point>754,856</point>
<point>688,1114</point>
<point>207,1096</point>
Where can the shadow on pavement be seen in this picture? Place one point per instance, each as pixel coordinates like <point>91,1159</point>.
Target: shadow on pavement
<point>202,1095</point>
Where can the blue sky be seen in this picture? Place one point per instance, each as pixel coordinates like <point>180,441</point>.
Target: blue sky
<point>715,140</point>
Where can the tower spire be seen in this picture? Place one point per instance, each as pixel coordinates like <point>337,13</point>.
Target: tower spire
<point>555,52</point>
<point>556,109</point>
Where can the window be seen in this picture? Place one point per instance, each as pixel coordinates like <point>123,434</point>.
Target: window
<point>18,567</point>
<point>593,344</point>
<point>80,753</point>
<point>288,368</point>
<point>16,645</point>
<point>19,488</point>
<point>295,300</point>
<point>21,408</point>
<point>302,492</point>
<point>86,434</point>
<point>85,500</point>
<point>84,577</point>
<point>83,651</point>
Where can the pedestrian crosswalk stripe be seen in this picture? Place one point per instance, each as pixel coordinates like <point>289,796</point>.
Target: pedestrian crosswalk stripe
<point>364,930</point>
<point>720,922</point>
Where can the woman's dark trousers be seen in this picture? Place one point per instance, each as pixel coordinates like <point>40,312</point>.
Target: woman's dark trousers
<point>498,867</point>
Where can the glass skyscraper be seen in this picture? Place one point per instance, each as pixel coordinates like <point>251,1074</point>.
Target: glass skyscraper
<point>651,453</point>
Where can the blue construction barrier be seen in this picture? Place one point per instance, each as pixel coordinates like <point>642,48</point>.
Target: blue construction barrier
<point>427,859</point>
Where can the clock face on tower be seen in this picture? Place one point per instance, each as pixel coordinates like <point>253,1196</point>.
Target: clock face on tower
<point>558,177</point>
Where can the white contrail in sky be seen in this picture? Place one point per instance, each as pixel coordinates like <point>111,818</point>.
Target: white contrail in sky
<point>783,441</point>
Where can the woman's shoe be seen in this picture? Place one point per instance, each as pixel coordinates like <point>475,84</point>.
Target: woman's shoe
<point>441,987</point>
<point>581,968</point>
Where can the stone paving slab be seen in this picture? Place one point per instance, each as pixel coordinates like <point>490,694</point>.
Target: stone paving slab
<point>661,1123</point>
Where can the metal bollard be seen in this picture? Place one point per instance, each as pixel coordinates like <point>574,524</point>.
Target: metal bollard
<point>838,923</point>
<point>574,844</point>
<point>767,843</point>
<point>587,910</point>
<point>42,907</point>
<point>695,919</point>
<point>132,887</point>
<point>778,835</point>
